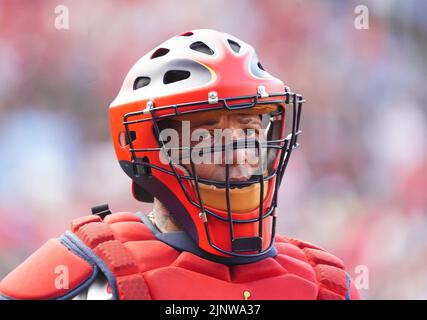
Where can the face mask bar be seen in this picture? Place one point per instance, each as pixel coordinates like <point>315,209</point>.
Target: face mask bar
<point>284,147</point>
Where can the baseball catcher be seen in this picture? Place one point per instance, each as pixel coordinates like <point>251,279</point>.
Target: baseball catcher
<point>205,133</point>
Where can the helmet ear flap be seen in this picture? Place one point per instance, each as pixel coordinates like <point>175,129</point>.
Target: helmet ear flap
<point>141,194</point>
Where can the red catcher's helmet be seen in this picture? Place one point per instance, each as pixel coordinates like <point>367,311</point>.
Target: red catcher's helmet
<point>190,74</point>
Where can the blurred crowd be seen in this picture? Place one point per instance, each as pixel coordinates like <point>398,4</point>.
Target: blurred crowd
<point>357,186</point>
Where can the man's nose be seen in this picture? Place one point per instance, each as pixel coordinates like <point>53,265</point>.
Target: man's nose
<point>235,152</point>
<point>233,156</point>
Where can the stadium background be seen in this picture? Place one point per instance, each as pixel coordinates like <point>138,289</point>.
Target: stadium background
<point>357,186</point>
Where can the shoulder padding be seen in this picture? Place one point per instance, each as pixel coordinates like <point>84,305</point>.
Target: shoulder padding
<point>105,240</point>
<point>52,272</point>
<point>64,267</point>
<point>334,282</point>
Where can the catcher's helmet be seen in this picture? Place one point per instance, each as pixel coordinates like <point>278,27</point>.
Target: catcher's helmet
<point>189,75</point>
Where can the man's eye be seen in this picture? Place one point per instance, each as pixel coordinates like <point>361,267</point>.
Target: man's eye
<point>205,135</point>
<point>250,133</point>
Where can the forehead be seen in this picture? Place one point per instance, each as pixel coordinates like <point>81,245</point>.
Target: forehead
<point>225,116</point>
<point>257,110</point>
<point>245,116</point>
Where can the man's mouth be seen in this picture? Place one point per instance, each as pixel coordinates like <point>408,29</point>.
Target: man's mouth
<point>238,179</point>
<point>238,182</point>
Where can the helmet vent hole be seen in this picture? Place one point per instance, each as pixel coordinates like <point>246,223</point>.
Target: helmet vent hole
<point>125,139</point>
<point>201,47</point>
<point>260,66</point>
<point>141,82</point>
<point>186,34</point>
<point>175,75</point>
<point>159,53</point>
<point>234,45</point>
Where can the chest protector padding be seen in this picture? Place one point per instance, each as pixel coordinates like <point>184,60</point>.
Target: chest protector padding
<point>139,266</point>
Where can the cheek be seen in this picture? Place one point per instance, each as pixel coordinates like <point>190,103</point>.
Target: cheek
<point>207,171</point>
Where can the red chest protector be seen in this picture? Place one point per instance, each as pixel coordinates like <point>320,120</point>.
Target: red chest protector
<point>139,264</point>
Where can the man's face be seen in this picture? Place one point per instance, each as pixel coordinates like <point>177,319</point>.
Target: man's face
<point>218,129</point>
<point>223,130</point>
